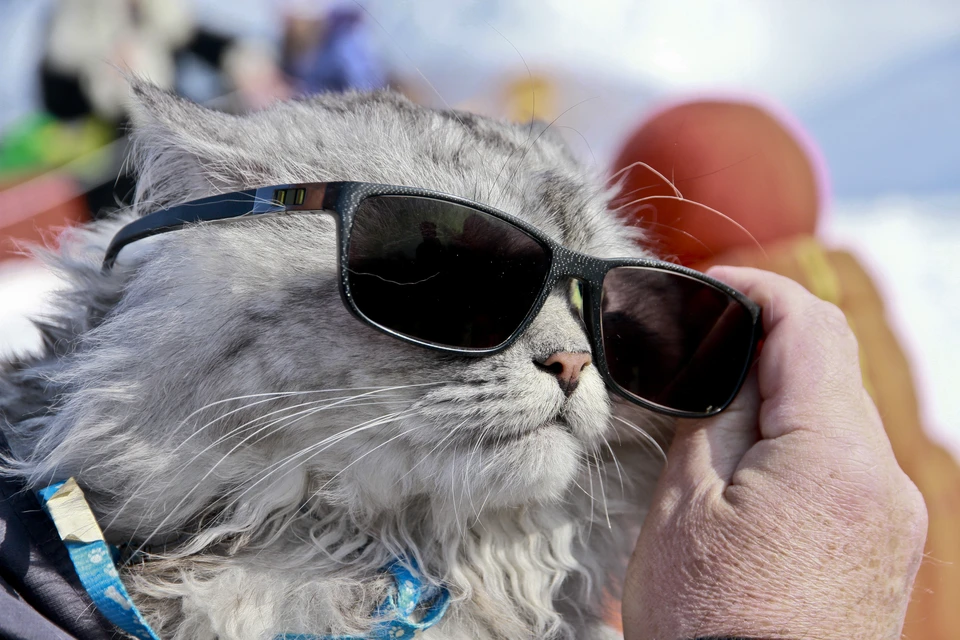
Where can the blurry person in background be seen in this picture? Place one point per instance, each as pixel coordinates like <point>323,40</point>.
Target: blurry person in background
<point>328,47</point>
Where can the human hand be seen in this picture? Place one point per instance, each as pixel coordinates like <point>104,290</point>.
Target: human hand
<point>787,515</point>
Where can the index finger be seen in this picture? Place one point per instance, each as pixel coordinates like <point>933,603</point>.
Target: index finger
<point>808,371</point>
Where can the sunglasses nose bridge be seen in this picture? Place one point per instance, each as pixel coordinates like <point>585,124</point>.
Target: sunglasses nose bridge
<point>584,275</point>
<point>569,264</point>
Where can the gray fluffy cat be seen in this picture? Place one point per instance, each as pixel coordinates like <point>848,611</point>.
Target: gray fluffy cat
<point>225,412</point>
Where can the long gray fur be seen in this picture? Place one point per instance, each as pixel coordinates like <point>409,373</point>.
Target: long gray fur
<point>174,391</point>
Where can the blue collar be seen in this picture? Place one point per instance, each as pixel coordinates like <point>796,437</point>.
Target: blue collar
<point>411,606</point>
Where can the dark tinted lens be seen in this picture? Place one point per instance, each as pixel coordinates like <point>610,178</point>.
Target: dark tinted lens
<point>443,273</point>
<point>673,340</point>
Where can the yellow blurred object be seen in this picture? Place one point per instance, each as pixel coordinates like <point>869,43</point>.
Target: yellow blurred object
<point>531,97</point>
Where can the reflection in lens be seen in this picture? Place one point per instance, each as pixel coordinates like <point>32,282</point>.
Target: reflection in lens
<point>674,340</point>
<point>441,272</point>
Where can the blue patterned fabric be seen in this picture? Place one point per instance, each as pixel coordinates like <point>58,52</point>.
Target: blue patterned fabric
<point>411,606</point>
<point>95,567</point>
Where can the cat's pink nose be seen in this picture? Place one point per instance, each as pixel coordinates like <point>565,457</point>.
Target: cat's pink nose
<point>567,367</point>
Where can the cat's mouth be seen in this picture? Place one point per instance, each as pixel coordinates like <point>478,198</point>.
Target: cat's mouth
<point>495,440</point>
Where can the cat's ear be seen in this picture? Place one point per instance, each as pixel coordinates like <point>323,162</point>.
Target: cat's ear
<point>182,150</point>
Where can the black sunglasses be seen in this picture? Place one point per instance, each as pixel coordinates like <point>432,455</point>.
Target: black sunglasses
<point>461,277</point>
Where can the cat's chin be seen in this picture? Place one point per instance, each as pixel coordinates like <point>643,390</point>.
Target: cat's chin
<point>547,429</point>
<point>538,465</point>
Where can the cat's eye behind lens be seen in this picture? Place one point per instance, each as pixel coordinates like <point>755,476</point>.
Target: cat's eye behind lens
<point>443,273</point>
<point>672,340</point>
<point>576,296</point>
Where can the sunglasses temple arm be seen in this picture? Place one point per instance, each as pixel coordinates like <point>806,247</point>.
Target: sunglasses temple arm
<point>220,207</point>
<point>265,200</point>
<point>316,196</point>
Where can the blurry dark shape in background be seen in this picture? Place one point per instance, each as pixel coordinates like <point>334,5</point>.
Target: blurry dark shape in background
<point>76,138</point>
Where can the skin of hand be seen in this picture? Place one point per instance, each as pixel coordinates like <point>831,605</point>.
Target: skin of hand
<point>787,515</point>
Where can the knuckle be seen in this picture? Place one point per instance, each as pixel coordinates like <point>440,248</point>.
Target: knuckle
<point>915,509</point>
<point>832,325</point>
<point>831,318</point>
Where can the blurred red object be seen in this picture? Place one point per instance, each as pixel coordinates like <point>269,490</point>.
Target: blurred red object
<point>752,173</point>
<point>34,211</point>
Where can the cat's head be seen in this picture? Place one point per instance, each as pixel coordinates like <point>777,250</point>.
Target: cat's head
<point>217,368</point>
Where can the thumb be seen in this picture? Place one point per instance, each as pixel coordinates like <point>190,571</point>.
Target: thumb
<point>706,452</point>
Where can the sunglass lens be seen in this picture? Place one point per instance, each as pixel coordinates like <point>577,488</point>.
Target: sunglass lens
<point>673,340</point>
<point>443,273</point>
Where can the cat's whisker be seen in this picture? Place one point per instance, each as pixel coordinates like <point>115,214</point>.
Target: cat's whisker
<point>311,452</point>
<point>465,474</point>
<point>582,137</point>
<point>527,147</point>
<point>616,464</point>
<point>603,493</point>
<point>644,435</point>
<point>640,163</point>
<point>474,455</point>
<point>533,99</point>
<point>335,438</point>
<point>151,477</point>
<point>446,446</point>
<point>443,440</point>
<point>592,495</point>
<point>369,391</point>
<point>716,171</point>
<point>286,422</point>
<point>482,505</point>
<point>284,394</point>
<point>271,396</point>
<point>463,489</point>
<point>320,447</point>
<point>484,430</point>
<point>364,455</point>
<point>483,436</point>
<point>493,460</point>
<point>579,486</point>
<point>650,242</point>
<point>453,494</point>
<point>339,403</point>
<point>621,203</point>
<point>710,210</point>
<point>292,418</point>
